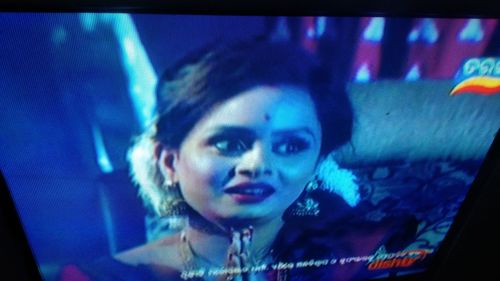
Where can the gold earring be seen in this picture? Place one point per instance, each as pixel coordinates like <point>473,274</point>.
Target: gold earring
<point>307,206</point>
<point>172,203</point>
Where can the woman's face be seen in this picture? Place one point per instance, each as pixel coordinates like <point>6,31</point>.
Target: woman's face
<point>251,156</point>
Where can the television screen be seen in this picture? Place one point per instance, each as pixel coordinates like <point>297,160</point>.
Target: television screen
<point>217,147</point>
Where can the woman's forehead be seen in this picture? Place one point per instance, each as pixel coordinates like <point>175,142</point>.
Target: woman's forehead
<point>267,108</point>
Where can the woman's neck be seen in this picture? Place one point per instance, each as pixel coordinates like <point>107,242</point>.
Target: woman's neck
<point>212,245</point>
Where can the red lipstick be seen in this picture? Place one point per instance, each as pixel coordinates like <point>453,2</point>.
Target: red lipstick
<point>250,192</point>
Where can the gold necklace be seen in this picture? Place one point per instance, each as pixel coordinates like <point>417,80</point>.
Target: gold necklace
<point>187,253</point>
<point>189,260</point>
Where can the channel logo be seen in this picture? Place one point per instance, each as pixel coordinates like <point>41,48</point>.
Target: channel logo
<point>401,259</point>
<point>479,76</point>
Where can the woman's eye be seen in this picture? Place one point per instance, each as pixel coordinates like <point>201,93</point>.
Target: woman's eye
<point>292,146</point>
<point>230,146</point>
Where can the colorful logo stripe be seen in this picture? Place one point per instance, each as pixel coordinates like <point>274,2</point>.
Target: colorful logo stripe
<point>482,85</point>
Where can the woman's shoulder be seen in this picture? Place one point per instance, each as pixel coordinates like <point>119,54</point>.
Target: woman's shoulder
<point>340,230</point>
<point>337,236</point>
<point>104,269</point>
<point>157,260</point>
<point>163,251</point>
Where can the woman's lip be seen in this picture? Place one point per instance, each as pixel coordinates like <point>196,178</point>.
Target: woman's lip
<point>250,192</point>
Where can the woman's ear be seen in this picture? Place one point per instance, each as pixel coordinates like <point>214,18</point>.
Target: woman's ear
<point>167,158</point>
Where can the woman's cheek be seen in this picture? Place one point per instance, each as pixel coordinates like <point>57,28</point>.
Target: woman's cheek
<point>297,172</point>
<point>209,171</point>
<point>219,172</point>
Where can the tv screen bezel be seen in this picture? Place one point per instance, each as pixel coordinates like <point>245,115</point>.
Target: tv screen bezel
<point>13,239</point>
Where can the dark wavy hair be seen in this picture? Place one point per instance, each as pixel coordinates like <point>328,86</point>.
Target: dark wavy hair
<point>214,74</point>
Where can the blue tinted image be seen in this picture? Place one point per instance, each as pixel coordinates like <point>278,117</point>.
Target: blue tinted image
<point>184,147</point>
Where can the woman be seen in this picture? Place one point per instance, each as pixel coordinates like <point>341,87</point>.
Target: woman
<point>240,133</point>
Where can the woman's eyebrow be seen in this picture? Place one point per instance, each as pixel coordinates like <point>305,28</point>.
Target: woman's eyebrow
<point>250,133</point>
<point>234,130</point>
<point>294,131</point>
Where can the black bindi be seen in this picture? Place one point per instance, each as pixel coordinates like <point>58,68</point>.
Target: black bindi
<point>267,117</point>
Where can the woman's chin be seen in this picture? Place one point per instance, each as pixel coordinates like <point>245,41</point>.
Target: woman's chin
<point>243,217</point>
<point>241,212</point>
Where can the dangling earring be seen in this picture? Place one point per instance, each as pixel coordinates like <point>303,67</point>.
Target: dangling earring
<point>307,206</point>
<point>172,203</point>
<point>171,213</point>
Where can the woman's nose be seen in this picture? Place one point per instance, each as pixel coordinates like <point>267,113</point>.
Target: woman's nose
<point>255,162</point>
